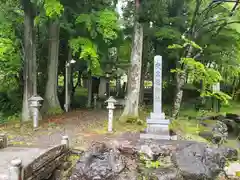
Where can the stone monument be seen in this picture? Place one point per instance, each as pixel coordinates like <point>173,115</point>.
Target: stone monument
<point>157,125</point>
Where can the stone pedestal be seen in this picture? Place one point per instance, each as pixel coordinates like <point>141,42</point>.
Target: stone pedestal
<point>157,127</point>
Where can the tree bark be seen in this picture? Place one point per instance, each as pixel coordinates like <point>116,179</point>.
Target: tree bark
<point>70,76</point>
<point>146,47</point>
<point>51,100</point>
<point>141,94</point>
<point>134,76</point>
<point>79,80</point>
<point>78,84</point>
<point>102,88</point>
<point>29,54</point>
<point>34,63</point>
<point>118,86</point>
<point>180,79</point>
<point>89,102</point>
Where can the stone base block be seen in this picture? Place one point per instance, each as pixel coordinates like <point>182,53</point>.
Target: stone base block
<point>174,137</point>
<point>157,129</point>
<point>158,121</point>
<point>157,115</point>
<point>154,136</point>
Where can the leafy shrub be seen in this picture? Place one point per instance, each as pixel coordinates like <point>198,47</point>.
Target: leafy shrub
<point>10,101</point>
<point>14,117</point>
<point>132,120</point>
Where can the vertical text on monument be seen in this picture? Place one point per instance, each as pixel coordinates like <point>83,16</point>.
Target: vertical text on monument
<point>157,84</point>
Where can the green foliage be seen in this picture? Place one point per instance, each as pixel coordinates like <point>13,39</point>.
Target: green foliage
<point>149,163</point>
<point>191,43</point>
<point>9,49</point>
<point>87,20</point>
<point>88,52</point>
<point>104,23</point>
<point>175,46</point>
<point>6,118</point>
<point>132,120</point>
<point>53,8</point>
<point>168,33</point>
<point>102,28</point>
<point>107,24</point>
<point>124,50</point>
<point>10,101</point>
<point>223,97</point>
<point>198,72</point>
<point>13,118</point>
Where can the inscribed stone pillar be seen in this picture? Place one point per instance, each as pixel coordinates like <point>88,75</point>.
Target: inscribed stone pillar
<point>157,125</point>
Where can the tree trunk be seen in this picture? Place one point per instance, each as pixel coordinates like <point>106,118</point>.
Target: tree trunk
<point>141,94</point>
<point>134,76</point>
<point>85,83</point>
<point>89,102</point>
<point>146,47</point>
<point>77,84</point>
<point>180,79</point>
<point>102,88</point>
<point>34,64</point>
<point>118,86</point>
<point>79,80</point>
<point>51,97</point>
<point>70,78</point>
<point>28,58</point>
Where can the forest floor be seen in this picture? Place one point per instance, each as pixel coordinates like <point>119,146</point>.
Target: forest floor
<point>82,127</point>
<point>85,126</point>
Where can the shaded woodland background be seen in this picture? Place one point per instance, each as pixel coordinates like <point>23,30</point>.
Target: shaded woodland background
<point>198,39</point>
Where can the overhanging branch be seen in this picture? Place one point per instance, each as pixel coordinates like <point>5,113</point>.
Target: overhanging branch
<point>224,25</point>
<point>237,2</point>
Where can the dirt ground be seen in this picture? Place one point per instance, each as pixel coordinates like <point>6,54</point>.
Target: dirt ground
<point>78,125</point>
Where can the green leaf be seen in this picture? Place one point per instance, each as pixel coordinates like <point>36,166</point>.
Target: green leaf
<point>175,46</point>
<point>53,8</point>
<point>87,50</point>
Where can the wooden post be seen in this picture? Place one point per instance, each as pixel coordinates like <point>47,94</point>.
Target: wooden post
<point>65,141</point>
<point>15,169</point>
<point>3,141</point>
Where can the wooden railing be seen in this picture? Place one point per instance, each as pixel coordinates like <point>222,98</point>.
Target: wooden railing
<point>43,166</point>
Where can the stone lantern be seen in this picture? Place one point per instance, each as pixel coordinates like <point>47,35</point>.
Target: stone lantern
<point>110,106</point>
<point>35,105</point>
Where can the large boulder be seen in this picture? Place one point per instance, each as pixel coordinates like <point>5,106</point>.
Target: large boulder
<point>217,133</point>
<point>234,117</point>
<point>178,160</point>
<point>189,160</point>
<point>102,162</point>
<point>217,117</point>
<point>199,161</point>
